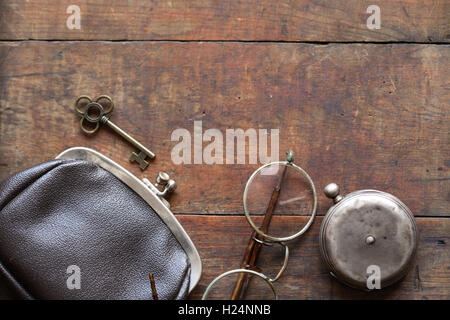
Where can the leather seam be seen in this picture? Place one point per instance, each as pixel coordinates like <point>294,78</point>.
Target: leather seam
<point>13,281</point>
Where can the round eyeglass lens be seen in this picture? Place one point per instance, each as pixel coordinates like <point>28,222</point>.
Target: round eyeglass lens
<point>253,286</point>
<point>283,192</point>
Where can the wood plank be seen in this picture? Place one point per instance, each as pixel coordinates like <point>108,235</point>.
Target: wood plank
<point>221,242</point>
<point>362,115</point>
<point>286,20</point>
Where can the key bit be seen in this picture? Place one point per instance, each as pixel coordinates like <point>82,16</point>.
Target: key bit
<point>139,158</point>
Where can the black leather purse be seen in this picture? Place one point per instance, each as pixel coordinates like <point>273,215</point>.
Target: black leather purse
<point>83,227</point>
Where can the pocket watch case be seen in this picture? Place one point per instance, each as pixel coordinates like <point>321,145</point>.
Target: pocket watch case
<point>364,231</point>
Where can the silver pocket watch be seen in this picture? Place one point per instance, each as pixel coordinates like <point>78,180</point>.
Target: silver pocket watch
<point>368,238</point>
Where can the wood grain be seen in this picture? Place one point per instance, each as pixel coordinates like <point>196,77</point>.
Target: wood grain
<point>254,20</point>
<point>221,242</point>
<point>362,115</point>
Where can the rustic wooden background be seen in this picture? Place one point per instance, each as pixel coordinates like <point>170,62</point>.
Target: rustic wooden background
<point>364,108</point>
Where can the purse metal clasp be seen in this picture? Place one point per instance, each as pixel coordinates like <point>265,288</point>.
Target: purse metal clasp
<point>162,181</point>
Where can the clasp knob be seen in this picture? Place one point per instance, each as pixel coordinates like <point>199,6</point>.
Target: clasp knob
<point>163,179</point>
<point>332,192</point>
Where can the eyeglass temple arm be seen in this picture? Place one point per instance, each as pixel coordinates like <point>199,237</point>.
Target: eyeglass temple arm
<point>153,286</point>
<point>254,247</point>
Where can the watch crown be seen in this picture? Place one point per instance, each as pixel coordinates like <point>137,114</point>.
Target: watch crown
<point>332,192</point>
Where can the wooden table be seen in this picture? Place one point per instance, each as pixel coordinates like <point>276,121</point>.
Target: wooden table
<point>366,108</point>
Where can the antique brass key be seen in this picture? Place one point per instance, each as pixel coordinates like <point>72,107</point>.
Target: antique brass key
<point>93,113</point>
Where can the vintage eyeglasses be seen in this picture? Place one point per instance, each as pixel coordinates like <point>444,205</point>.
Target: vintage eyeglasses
<point>277,189</point>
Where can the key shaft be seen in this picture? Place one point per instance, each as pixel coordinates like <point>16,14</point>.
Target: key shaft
<point>127,137</point>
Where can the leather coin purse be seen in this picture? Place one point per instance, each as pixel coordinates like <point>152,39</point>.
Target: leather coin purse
<point>368,238</point>
<point>83,227</point>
